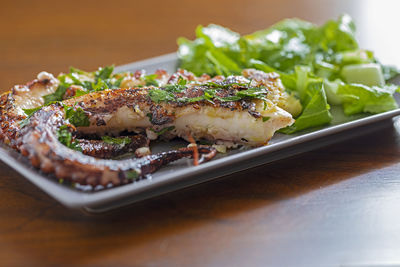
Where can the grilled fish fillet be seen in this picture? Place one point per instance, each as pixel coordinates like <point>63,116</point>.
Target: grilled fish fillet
<point>184,110</point>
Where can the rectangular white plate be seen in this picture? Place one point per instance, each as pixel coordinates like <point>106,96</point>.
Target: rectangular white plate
<point>180,174</point>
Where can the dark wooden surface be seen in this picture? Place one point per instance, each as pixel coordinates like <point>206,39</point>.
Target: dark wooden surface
<point>339,205</point>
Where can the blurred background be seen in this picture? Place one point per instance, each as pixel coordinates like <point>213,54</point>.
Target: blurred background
<point>54,35</point>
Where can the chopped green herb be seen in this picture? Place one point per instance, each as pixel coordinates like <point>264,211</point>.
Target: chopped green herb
<point>224,84</point>
<point>116,140</point>
<point>117,83</point>
<point>56,96</point>
<point>182,81</point>
<point>30,111</point>
<point>80,93</point>
<point>163,131</point>
<point>75,78</point>
<point>228,98</point>
<point>76,116</point>
<point>132,175</point>
<point>158,95</point>
<point>166,93</point>
<point>190,99</point>
<point>65,137</point>
<point>75,70</point>
<point>173,88</point>
<point>209,94</point>
<point>151,80</point>
<point>102,80</point>
<point>264,119</point>
<point>253,92</point>
<point>103,73</point>
<point>100,85</point>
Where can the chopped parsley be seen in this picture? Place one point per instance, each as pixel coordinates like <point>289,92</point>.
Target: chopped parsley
<point>163,131</point>
<point>151,80</point>
<point>103,79</point>
<point>170,91</point>
<point>264,119</point>
<point>56,96</point>
<point>182,81</point>
<point>100,85</point>
<point>103,73</point>
<point>116,140</point>
<point>30,111</point>
<point>75,70</point>
<point>65,137</point>
<point>80,93</point>
<point>76,116</point>
<point>132,175</point>
<point>159,95</point>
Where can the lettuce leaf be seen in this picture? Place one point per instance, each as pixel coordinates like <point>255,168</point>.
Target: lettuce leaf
<point>283,45</point>
<point>306,56</point>
<point>315,112</point>
<point>313,98</point>
<point>357,98</point>
<point>192,56</point>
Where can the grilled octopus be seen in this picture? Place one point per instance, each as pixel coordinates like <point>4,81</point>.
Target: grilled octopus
<point>39,142</point>
<point>199,108</point>
<point>101,149</point>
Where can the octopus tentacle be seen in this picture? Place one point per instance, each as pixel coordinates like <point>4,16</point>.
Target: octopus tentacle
<point>40,144</point>
<point>22,97</point>
<point>104,150</point>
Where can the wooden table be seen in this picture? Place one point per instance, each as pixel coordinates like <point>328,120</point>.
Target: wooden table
<point>336,205</point>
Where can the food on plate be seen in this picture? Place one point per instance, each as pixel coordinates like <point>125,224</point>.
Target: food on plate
<point>110,147</point>
<point>72,126</point>
<point>321,65</point>
<point>95,128</point>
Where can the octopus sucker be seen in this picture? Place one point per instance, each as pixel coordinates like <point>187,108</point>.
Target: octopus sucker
<point>240,110</point>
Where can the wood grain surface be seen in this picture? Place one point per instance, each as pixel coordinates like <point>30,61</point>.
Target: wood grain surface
<point>335,206</point>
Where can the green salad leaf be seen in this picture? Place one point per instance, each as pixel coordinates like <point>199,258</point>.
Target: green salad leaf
<point>317,63</point>
<point>359,98</point>
<point>312,95</point>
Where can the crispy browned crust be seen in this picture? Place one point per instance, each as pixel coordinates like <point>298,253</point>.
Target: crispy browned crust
<point>9,120</point>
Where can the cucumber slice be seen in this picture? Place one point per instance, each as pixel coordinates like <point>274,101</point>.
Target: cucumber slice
<point>368,74</point>
<point>331,88</point>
